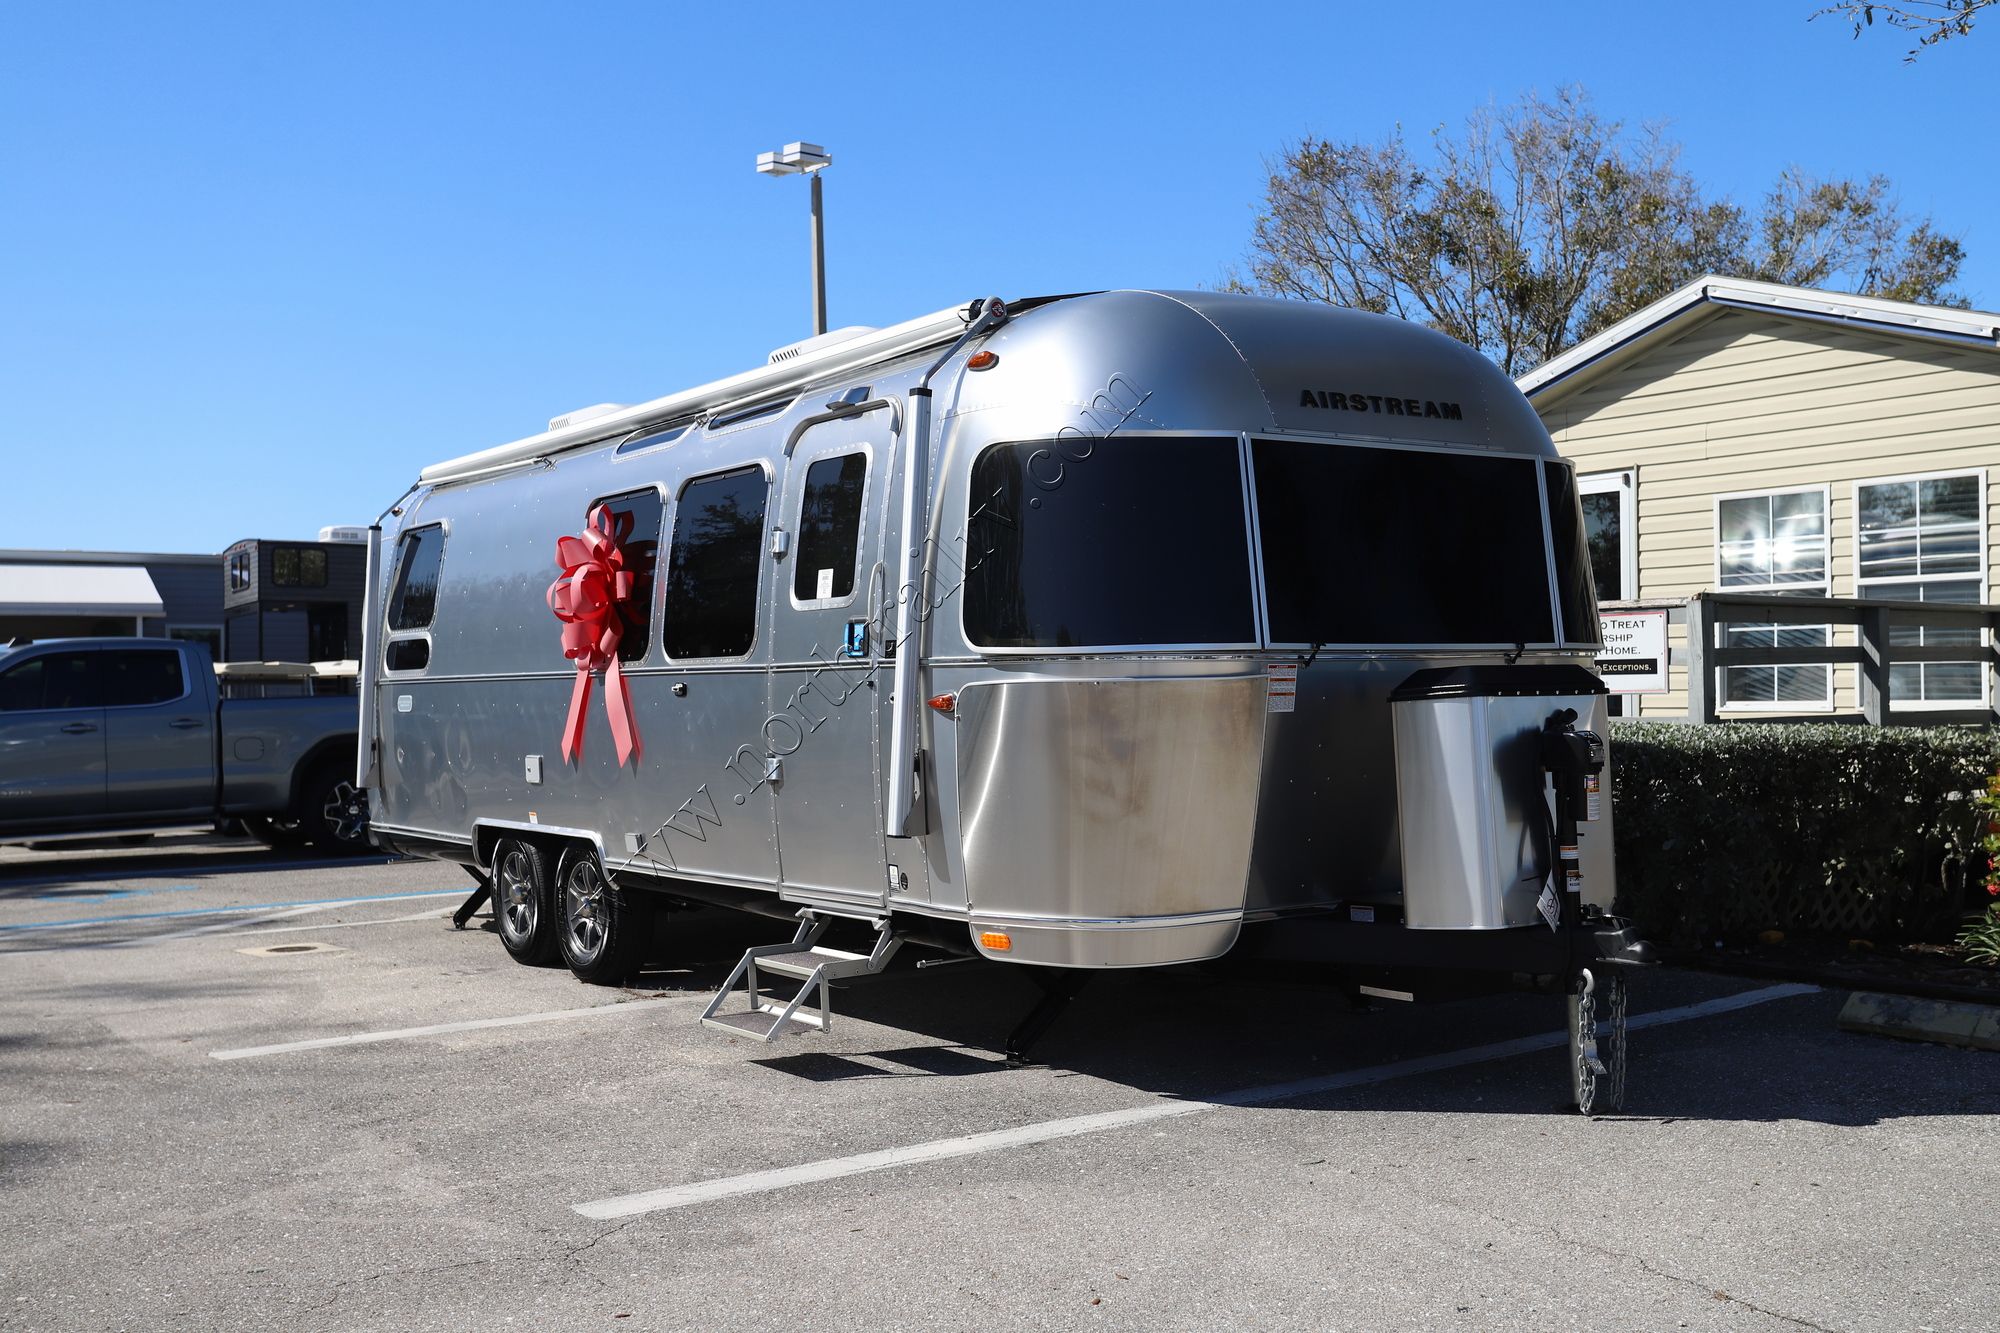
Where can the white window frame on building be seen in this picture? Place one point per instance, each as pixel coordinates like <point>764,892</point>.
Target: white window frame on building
<point>1753,635</point>
<point>1903,698</point>
<point>1624,484</point>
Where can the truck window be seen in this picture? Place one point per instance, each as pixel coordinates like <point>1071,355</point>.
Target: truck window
<point>1125,541</point>
<point>414,601</point>
<point>52,680</point>
<point>131,678</point>
<point>712,567</point>
<point>830,528</point>
<point>642,556</point>
<point>1372,546</point>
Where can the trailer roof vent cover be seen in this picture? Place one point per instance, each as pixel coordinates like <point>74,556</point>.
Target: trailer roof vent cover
<point>831,338</point>
<point>583,414</point>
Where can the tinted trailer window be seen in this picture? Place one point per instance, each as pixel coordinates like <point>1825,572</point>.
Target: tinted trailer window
<point>1371,546</point>
<point>1137,542</point>
<point>712,567</point>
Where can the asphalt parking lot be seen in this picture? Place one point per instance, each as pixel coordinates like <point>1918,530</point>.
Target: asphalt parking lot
<point>400,1128</point>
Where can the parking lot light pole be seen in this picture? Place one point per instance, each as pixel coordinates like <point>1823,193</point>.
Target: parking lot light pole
<point>807,159</point>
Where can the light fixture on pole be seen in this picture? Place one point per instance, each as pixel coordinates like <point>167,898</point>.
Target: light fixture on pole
<point>807,159</point>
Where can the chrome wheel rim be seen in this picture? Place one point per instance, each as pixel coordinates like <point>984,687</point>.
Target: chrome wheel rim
<point>584,911</point>
<point>517,897</point>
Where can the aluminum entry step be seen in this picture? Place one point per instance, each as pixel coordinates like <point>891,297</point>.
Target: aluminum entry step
<point>756,1023</point>
<point>804,962</point>
<point>813,966</point>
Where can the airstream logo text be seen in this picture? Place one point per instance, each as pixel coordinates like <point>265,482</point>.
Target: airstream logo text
<point>1375,402</point>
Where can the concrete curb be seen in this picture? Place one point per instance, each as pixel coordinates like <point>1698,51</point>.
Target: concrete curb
<point>1950,1023</point>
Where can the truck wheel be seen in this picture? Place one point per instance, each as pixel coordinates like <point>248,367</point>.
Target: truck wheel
<point>280,835</point>
<point>603,929</point>
<point>325,811</point>
<point>524,907</point>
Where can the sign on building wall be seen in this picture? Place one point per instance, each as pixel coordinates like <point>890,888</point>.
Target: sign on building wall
<point>1634,660</point>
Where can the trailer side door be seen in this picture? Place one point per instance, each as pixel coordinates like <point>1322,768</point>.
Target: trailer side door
<point>821,728</point>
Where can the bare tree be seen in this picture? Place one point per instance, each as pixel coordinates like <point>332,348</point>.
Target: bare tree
<point>1934,20</point>
<point>1545,223</point>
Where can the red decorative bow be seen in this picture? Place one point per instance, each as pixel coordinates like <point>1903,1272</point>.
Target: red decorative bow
<point>590,600</point>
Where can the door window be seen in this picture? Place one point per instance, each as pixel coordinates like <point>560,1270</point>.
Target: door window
<point>414,601</point>
<point>1609,526</point>
<point>830,529</point>
<point>712,568</point>
<point>52,680</point>
<point>133,678</point>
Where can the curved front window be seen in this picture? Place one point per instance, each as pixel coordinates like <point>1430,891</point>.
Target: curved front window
<point>1126,541</point>
<point>1370,546</point>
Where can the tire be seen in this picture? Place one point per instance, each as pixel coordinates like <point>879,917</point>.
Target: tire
<point>279,834</point>
<point>323,812</point>
<point>524,902</point>
<point>604,931</point>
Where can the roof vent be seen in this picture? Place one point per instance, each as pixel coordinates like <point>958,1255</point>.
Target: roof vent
<point>816,343</point>
<point>343,532</point>
<point>583,414</point>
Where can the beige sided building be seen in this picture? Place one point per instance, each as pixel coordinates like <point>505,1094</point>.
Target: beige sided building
<point>1749,437</point>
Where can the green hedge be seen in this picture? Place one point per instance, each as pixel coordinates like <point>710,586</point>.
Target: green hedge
<point>1813,828</point>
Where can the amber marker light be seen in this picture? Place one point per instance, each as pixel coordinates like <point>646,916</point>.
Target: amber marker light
<point>999,941</point>
<point>982,360</point>
<point>944,703</point>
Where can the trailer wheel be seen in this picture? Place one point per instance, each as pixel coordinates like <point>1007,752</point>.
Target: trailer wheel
<point>603,928</point>
<point>524,902</point>
<point>328,812</point>
<point>1597,1043</point>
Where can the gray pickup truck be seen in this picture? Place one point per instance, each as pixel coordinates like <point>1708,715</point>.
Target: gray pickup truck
<point>118,736</point>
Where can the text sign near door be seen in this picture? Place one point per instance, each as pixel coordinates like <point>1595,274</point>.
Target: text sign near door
<point>1634,660</point>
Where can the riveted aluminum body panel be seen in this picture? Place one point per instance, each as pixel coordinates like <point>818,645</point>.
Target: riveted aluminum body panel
<point>1122,798</point>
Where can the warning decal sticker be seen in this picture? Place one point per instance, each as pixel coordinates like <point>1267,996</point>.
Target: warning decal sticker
<point>1281,687</point>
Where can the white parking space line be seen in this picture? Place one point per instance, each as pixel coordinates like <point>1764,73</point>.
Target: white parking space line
<point>442,1029</point>
<point>761,1182</point>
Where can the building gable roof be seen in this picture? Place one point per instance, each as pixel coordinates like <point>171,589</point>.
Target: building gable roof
<point>1706,298</point>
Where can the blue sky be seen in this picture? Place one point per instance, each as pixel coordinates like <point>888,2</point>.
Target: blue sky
<point>259,263</point>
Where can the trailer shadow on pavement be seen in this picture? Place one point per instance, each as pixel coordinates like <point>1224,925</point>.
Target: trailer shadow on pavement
<point>1186,1035</point>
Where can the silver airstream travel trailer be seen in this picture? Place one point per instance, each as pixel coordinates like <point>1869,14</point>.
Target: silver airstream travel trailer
<point>1114,630</point>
